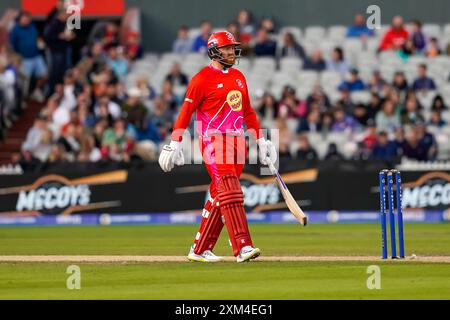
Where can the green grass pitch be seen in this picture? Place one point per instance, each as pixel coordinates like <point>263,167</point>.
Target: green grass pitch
<point>254,280</point>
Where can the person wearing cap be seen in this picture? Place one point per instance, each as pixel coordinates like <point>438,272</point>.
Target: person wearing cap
<point>354,83</point>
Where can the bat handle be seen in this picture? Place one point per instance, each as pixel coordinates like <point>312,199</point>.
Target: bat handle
<point>272,168</point>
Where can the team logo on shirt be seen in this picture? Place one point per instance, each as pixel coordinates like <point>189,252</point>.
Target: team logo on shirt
<point>234,99</point>
<point>239,83</point>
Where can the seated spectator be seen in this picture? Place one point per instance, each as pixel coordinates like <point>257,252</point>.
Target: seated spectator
<point>146,90</point>
<point>268,24</point>
<point>327,122</point>
<point>284,152</point>
<point>373,106</point>
<point>311,123</point>
<point>412,148</point>
<point>376,82</point>
<point>117,62</point>
<point>354,83</point>
<point>23,39</point>
<point>291,48</point>
<point>39,139</point>
<point>117,143</point>
<point>407,50</point>
<point>433,49</point>
<point>182,43</point>
<point>400,83</point>
<point>370,137</point>
<point>345,102</point>
<point>133,48</point>
<point>359,28</point>
<point>264,46</point>
<point>88,149</point>
<point>361,115</point>
<point>427,141</point>
<point>112,108</point>
<point>417,36</point>
<point>337,62</point>
<point>244,39</point>
<point>411,114</point>
<point>8,81</point>
<point>384,149</point>
<point>133,107</point>
<point>69,139</point>
<point>438,103</point>
<point>319,98</point>
<point>315,62</point>
<point>58,154</point>
<point>245,25</point>
<point>333,154</point>
<point>396,36</point>
<point>436,119</point>
<point>176,77</point>
<point>267,109</point>
<point>289,105</point>
<point>201,41</point>
<point>162,117</point>
<point>86,118</point>
<point>423,82</point>
<point>305,150</point>
<point>342,121</point>
<point>387,119</point>
<point>169,97</point>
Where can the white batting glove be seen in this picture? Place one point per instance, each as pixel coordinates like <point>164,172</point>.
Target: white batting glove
<point>267,151</point>
<point>170,156</point>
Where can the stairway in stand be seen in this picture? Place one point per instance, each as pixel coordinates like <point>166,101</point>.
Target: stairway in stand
<point>15,135</point>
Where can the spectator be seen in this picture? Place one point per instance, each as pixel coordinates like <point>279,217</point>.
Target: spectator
<point>176,77</point>
<point>319,98</point>
<point>396,36</point>
<point>117,62</point>
<point>134,108</point>
<point>39,139</point>
<point>284,152</point>
<point>345,102</point>
<point>412,147</point>
<point>244,40</point>
<point>423,82</point>
<point>109,108</point>
<point>376,82</point>
<point>359,28</point>
<point>436,119</point>
<point>305,151</point>
<point>427,141</point>
<point>311,123</point>
<point>369,140</point>
<point>411,114</point>
<point>439,104</point>
<point>337,62</point>
<point>59,40</point>
<point>133,49</point>
<point>245,24</point>
<point>291,48</point>
<point>373,106</point>
<point>384,149</point>
<point>23,39</point>
<point>70,141</point>
<point>182,44</point>
<point>7,88</point>
<point>264,45</point>
<point>268,110</point>
<point>201,41</point>
<point>400,83</point>
<point>268,24</point>
<point>354,83</point>
<point>417,36</point>
<point>315,62</point>
<point>333,154</point>
<point>169,97</point>
<point>342,121</point>
<point>88,150</point>
<point>289,105</point>
<point>433,49</point>
<point>361,115</point>
<point>387,119</point>
<point>117,143</point>
<point>407,50</point>
<point>162,117</point>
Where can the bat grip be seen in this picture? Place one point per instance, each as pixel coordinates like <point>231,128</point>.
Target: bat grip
<point>272,168</point>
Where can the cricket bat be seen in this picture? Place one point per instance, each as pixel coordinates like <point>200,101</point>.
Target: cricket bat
<point>290,201</point>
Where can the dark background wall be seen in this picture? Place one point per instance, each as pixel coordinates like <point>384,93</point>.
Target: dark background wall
<point>160,18</point>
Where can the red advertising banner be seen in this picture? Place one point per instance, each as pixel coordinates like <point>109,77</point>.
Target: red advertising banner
<point>88,7</point>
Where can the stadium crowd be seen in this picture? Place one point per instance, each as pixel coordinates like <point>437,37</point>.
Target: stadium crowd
<point>91,113</point>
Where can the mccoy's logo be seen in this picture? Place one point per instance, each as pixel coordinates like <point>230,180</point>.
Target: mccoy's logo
<point>234,99</point>
<point>261,194</point>
<point>55,194</point>
<point>431,190</point>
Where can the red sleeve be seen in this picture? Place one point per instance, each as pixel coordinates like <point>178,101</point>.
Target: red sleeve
<point>250,118</point>
<point>192,100</point>
<point>386,42</point>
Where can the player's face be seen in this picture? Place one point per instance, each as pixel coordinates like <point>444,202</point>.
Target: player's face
<point>228,54</point>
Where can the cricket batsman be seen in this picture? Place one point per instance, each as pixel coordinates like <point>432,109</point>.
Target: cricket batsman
<point>219,95</point>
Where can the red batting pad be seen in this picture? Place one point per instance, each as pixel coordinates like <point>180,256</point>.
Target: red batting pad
<point>231,199</point>
<point>210,228</point>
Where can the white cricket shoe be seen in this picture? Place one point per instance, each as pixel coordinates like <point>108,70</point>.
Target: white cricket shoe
<point>206,256</point>
<point>248,253</point>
